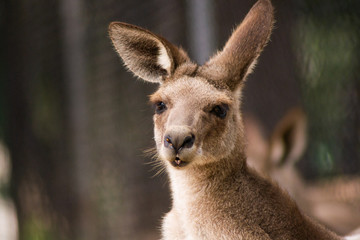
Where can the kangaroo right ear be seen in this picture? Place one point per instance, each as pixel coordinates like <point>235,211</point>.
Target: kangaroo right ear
<point>288,141</point>
<point>231,65</point>
<point>147,55</point>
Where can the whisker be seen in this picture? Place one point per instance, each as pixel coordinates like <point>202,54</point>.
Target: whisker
<point>155,162</point>
<point>151,152</point>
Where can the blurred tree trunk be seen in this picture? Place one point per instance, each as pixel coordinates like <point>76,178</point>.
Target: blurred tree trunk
<point>36,127</point>
<point>201,29</point>
<point>74,62</point>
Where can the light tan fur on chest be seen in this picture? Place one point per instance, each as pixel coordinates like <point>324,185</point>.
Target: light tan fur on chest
<point>199,137</point>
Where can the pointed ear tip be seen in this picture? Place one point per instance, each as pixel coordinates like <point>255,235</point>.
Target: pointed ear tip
<point>114,25</point>
<point>266,3</point>
<point>266,6</point>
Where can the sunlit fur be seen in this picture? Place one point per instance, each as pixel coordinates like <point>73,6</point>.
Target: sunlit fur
<point>214,194</point>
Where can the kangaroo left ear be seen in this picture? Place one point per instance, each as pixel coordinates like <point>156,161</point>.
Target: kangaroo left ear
<point>231,65</point>
<point>288,141</point>
<point>147,55</point>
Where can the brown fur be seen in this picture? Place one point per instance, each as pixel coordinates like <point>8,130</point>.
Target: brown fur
<point>215,195</point>
<point>335,203</point>
<point>132,42</point>
<point>235,61</point>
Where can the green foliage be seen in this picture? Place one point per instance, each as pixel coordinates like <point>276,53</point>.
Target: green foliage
<point>36,229</point>
<point>328,58</point>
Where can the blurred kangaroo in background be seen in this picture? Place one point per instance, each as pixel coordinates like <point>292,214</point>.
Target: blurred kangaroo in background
<point>200,139</point>
<point>335,202</point>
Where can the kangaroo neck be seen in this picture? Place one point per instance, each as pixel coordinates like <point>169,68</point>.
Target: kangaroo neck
<point>204,181</point>
<point>228,181</point>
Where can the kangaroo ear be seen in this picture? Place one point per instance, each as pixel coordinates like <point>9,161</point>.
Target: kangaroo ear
<point>231,65</point>
<point>288,141</point>
<point>147,55</point>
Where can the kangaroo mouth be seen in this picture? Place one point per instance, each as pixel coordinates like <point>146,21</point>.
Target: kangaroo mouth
<point>177,162</point>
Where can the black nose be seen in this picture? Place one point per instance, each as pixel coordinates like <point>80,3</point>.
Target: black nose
<point>179,142</point>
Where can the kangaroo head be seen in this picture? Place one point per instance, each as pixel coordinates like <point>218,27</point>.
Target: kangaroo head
<point>277,157</point>
<point>197,118</point>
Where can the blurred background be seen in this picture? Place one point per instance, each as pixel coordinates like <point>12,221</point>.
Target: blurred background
<point>74,124</point>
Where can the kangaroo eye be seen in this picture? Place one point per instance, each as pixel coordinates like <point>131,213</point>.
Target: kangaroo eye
<point>160,107</point>
<point>220,110</point>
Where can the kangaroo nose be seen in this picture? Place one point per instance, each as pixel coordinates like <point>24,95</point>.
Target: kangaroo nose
<point>179,141</point>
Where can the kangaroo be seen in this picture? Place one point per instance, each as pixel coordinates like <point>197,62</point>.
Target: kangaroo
<point>199,137</point>
<point>276,158</point>
<point>335,202</point>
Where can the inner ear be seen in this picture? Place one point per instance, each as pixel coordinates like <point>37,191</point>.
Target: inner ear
<point>290,137</point>
<point>147,55</point>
